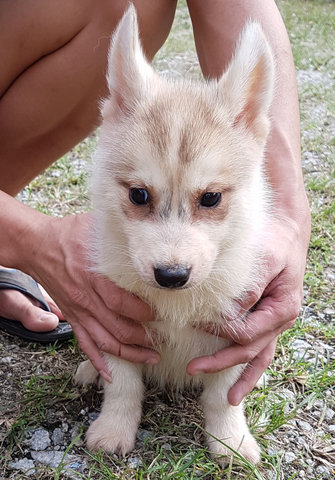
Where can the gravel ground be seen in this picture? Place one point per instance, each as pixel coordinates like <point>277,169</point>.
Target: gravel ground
<point>305,443</point>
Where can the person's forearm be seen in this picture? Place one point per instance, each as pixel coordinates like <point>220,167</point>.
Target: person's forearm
<point>217,25</point>
<point>19,223</point>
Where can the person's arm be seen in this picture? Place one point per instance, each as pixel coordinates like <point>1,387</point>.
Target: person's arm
<point>217,25</point>
<point>47,105</point>
<point>54,252</point>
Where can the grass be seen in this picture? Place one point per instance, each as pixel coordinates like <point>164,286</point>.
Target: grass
<point>310,24</point>
<point>297,383</point>
<point>39,395</point>
<point>165,465</point>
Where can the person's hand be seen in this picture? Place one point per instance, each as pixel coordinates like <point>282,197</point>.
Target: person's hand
<point>277,301</point>
<point>104,317</point>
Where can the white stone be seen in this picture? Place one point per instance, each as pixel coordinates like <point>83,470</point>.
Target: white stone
<point>290,457</point>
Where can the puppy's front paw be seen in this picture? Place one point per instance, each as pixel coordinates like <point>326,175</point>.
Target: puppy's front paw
<point>245,445</point>
<point>111,435</point>
<point>86,374</point>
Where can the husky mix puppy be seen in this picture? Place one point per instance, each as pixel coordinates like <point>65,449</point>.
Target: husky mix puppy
<point>180,200</point>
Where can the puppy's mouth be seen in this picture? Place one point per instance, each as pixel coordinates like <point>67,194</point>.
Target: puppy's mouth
<point>172,277</point>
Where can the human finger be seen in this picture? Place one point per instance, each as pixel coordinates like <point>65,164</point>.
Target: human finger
<point>271,271</point>
<point>270,315</point>
<point>95,355</point>
<point>121,301</point>
<point>90,310</point>
<point>251,374</point>
<point>105,341</point>
<point>230,356</point>
<point>250,300</point>
<point>124,330</point>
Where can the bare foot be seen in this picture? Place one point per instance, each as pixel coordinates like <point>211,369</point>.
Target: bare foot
<point>14,305</point>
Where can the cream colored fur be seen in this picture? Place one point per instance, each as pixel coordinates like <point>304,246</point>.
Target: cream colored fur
<point>176,139</point>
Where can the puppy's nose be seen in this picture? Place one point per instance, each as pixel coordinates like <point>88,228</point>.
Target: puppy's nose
<point>172,276</point>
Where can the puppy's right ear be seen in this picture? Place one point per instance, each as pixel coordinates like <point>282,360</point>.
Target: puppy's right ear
<point>248,84</point>
<point>129,75</point>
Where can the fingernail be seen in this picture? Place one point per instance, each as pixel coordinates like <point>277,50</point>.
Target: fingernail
<point>105,375</point>
<point>152,361</point>
<point>235,402</point>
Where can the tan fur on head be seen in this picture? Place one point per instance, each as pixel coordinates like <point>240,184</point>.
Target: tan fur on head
<point>177,145</point>
<point>179,140</point>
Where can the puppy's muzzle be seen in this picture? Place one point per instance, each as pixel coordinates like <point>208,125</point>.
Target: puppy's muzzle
<point>172,276</point>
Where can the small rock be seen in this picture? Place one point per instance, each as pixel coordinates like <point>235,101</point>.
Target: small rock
<point>52,418</point>
<point>318,403</point>
<point>57,437</point>
<point>324,345</point>
<point>24,465</point>
<point>6,360</point>
<point>288,394</point>
<point>289,457</point>
<point>166,447</point>
<point>76,436</point>
<point>322,471</point>
<point>53,459</point>
<point>134,462</point>
<point>65,427</point>
<point>40,440</point>
<point>307,427</point>
<point>301,350</point>
<point>144,435</point>
<point>93,416</point>
<point>329,414</point>
<point>301,345</point>
<point>76,464</point>
<point>331,429</point>
<point>301,441</point>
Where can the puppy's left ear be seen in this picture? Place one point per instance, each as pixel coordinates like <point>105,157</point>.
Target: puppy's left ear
<point>248,83</point>
<point>129,76</point>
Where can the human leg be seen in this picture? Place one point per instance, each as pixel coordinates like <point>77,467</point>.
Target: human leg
<point>54,55</point>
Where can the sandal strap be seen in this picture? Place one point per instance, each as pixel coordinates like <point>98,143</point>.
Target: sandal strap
<point>17,280</point>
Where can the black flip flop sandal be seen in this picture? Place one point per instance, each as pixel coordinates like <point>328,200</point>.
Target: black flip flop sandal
<point>16,280</point>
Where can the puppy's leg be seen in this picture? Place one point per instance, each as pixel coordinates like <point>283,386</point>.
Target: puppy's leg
<point>225,422</point>
<point>116,427</point>
<point>86,374</point>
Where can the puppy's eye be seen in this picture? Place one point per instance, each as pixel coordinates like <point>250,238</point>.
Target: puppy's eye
<point>210,199</point>
<point>138,196</point>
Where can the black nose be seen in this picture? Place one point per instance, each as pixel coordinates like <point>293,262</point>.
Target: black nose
<point>174,276</point>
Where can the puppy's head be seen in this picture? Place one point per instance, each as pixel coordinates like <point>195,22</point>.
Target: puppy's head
<point>178,186</point>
